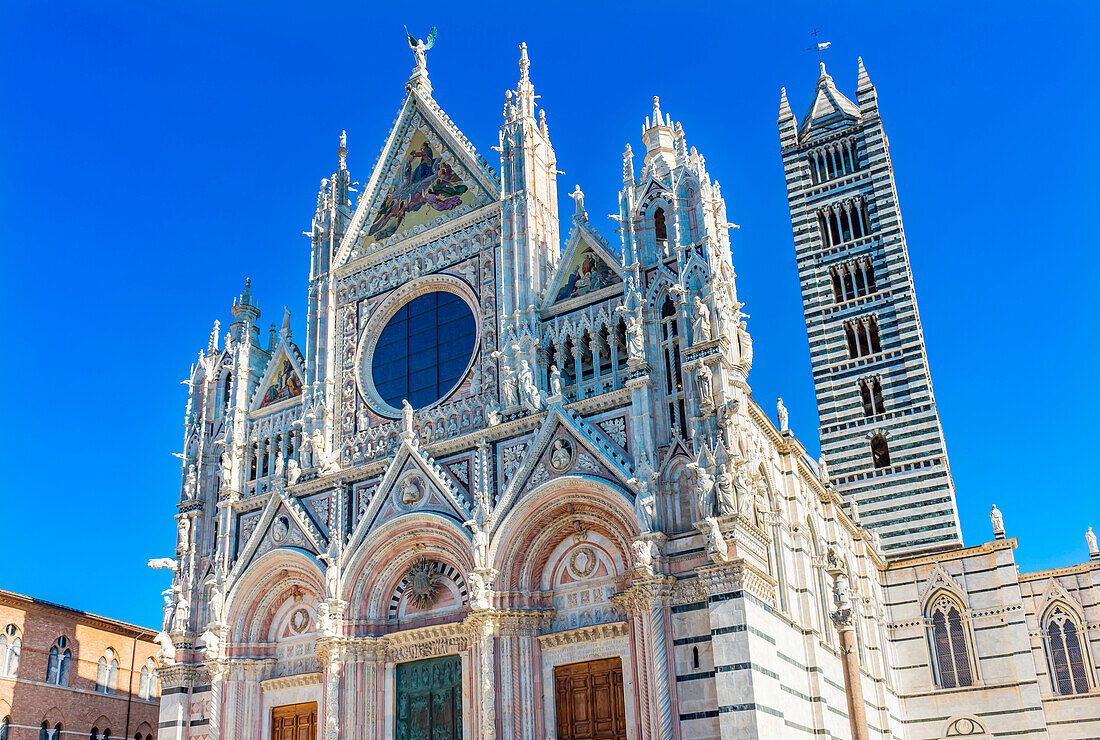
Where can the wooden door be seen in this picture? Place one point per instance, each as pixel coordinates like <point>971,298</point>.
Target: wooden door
<point>294,722</point>
<point>589,700</point>
<point>429,699</point>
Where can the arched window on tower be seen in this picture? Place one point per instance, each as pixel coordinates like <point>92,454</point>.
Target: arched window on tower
<point>850,337</point>
<point>5,724</point>
<point>227,390</point>
<point>1067,664</point>
<point>876,396</point>
<point>872,333</point>
<point>838,291</point>
<point>880,451</point>
<point>57,667</point>
<point>950,652</point>
<point>11,646</point>
<point>865,398</point>
<point>674,381</point>
<point>660,228</point>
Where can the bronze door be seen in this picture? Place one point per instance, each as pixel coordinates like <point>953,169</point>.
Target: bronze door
<point>589,700</point>
<point>429,699</point>
<point>294,722</point>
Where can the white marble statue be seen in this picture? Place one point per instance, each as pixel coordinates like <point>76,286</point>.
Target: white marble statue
<point>217,599</point>
<point>645,508</point>
<point>530,390</point>
<point>227,469</point>
<point>704,486</point>
<point>842,597</point>
<point>555,381</point>
<point>210,644</point>
<point>823,470</point>
<point>784,418</point>
<point>331,559</point>
<point>166,654</point>
<point>744,346</point>
<point>700,327</point>
<point>169,610</point>
<point>163,564</point>
<point>716,543</point>
<point>184,533</point>
<point>727,498</point>
<point>508,387</point>
<point>703,382</point>
<point>407,430</point>
<point>293,472</point>
<point>635,339</point>
<point>998,522</point>
<point>644,553</point>
<point>280,464</point>
<point>420,48</point>
<point>578,198</point>
<point>1090,538</point>
<point>190,488</point>
<point>479,591</point>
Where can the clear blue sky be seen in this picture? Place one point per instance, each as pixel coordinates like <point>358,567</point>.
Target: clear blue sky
<point>152,155</point>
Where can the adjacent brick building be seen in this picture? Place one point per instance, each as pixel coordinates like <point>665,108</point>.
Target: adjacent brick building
<point>67,674</point>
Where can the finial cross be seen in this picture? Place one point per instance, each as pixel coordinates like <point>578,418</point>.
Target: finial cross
<point>819,46</point>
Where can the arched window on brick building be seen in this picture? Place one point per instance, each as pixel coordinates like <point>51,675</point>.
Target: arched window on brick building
<point>61,657</point>
<point>106,677</point>
<point>10,648</point>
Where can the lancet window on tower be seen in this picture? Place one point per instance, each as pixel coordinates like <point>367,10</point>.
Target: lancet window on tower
<point>833,160</point>
<point>853,279</point>
<point>844,221</point>
<point>11,646</point>
<point>674,381</point>
<point>870,394</point>
<point>950,652</point>
<point>1063,642</point>
<point>880,451</point>
<point>660,228</point>
<point>862,337</point>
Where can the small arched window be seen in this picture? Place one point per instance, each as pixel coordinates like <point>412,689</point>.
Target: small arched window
<point>880,451</point>
<point>10,648</point>
<point>1067,664</point>
<point>660,229</point>
<point>57,668</point>
<point>949,644</point>
<point>227,390</point>
<point>147,684</point>
<point>106,677</point>
<point>4,725</point>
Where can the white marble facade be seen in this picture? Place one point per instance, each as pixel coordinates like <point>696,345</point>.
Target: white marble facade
<point>596,482</point>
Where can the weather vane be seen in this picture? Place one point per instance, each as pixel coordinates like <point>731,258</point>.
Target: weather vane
<point>419,48</point>
<point>819,46</point>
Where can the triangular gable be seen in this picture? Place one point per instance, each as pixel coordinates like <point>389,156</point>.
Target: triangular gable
<point>428,174</point>
<point>591,453</point>
<point>281,381</point>
<point>829,109</point>
<point>941,580</point>
<point>271,531</point>
<point>1057,593</point>
<point>587,267</point>
<point>436,493</point>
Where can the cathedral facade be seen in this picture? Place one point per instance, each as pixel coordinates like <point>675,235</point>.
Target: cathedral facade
<point>516,485</point>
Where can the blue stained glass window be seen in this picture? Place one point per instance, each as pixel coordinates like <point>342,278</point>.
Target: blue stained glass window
<point>424,349</point>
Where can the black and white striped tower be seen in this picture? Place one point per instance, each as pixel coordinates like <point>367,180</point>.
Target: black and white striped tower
<point>880,431</point>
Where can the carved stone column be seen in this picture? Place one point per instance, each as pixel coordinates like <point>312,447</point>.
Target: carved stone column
<point>647,602</point>
<point>480,628</point>
<point>176,683</point>
<point>520,658</point>
<point>841,617</point>
<point>331,653</point>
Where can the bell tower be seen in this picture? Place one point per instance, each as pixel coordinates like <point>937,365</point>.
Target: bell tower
<point>880,432</point>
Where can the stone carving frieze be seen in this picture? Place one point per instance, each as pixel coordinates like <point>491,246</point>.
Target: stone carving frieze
<point>436,255</point>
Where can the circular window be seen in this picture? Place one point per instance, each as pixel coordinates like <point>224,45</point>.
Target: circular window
<point>423,350</point>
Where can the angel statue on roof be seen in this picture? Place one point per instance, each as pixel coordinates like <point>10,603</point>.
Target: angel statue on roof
<point>419,48</point>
